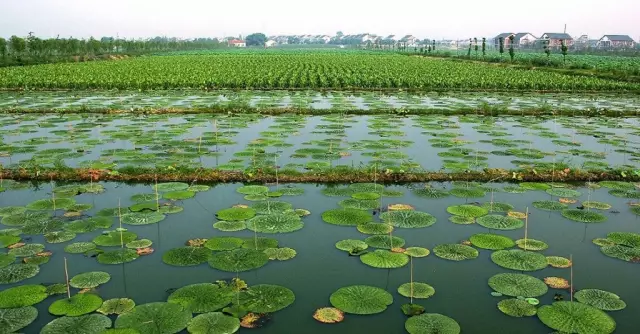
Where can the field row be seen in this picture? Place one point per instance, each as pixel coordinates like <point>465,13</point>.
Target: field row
<point>297,71</point>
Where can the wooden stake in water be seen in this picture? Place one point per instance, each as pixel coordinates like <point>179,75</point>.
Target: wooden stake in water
<point>120,223</point>
<point>66,277</point>
<point>571,287</point>
<point>411,264</point>
<point>275,166</point>
<point>157,196</point>
<point>526,227</point>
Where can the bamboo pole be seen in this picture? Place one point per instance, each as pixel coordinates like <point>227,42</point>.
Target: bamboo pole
<point>66,277</point>
<point>120,223</point>
<point>411,264</point>
<point>571,287</point>
<point>157,196</point>
<point>526,227</point>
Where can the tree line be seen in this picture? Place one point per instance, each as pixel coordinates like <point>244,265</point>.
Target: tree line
<point>34,50</point>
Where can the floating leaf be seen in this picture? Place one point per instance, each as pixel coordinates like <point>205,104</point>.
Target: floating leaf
<point>550,205</point>
<point>359,204</point>
<point>366,196</point>
<point>118,256</point>
<point>431,193</point>
<point>563,192</point>
<point>116,306</point>
<point>384,241</point>
<point>384,259</point>
<point>6,259</point>
<point>511,284</point>
<point>114,238</point>
<point>89,224</point>
<point>224,243</point>
<point>408,219</point>
<point>584,216</point>
<point>350,245</point>
<point>416,290</point>
<point>252,190</point>
<point>460,220</point>
<point>430,323</point>
<point>186,256</point>
<point>141,243</point>
<point>625,238</point>
<point>170,186</point>
<point>202,298</point>
<point>346,217</point>
<point>275,223</point>
<point>497,207</point>
<point>270,207</point>
<point>8,240</point>
<point>142,218</point>
<point>557,282</point>
<point>517,308</point>
<point>12,210</point>
<point>259,243</point>
<point>14,319</point>
<point>600,299</point>
<point>79,247</point>
<point>491,241</point>
<point>615,192</point>
<point>467,192</point>
<point>534,186</point>
<point>498,222</point>
<point>574,317</point>
<point>412,309</point>
<point>280,254</point>
<point>266,298</point>
<point>366,187</point>
<point>236,214</point>
<point>214,322</point>
<point>532,244</point>
<point>138,198</point>
<point>77,305</point>
<point>23,295</point>
<point>596,205</point>
<point>375,228</point>
<point>226,226</point>
<point>621,252</point>
<point>558,262</point>
<point>89,280</point>
<point>27,250</point>
<point>178,195</point>
<point>455,252</point>
<point>417,251</point>
<point>26,218</point>
<point>519,260</point>
<point>145,206</point>
<point>620,185</point>
<point>361,299</point>
<point>154,318</point>
<point>51,204</point>
<point>90,323</point>
<point>59,237</point>
<point>328,315</point>
<point>238,260</point>
<point>465,210</point>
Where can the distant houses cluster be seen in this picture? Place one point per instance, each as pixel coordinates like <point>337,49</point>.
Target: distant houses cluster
<point>519,40</point>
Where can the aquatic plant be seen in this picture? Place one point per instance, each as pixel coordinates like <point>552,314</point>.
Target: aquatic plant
<point>361,299</point>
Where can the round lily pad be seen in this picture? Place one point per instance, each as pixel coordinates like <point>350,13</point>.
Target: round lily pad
<point>519,260</point>
<point>27,250</point>
<point>259,243</point>
<point>384,241</point>
<point>266,298</point>
<point>59,237</point>
<point>621,252</point>
<point>77,305</point>
<point>416,251</point>
<point>558,262</point>
<point>532,244</point>
<point>625,238</point>
<point>430,323</point>
<point>236,214</point>
<point>213,322</point>
<point>359,204</point>
<point>6,259</point>
<point>118,256</point>
<point>600,299</point>
<point>384,259</point>
<point>408,219</point>
<point>498,222</point>
<point>346,217</point>
<point>252,190</point>
<point>563,192</point>
<point>79,247</point>
<point>280,254</point>
<point>116,306</point>
<point>275,223</point>
<point>375,228</point>
<point>491,241</point>
<point>178,195</point>
<point>366,196</point>
<point>349,245</point>
<point>140,243</point>
<point>202,298</point>
<point>171,186</point>
<point>455,252</point>
<point>550,205</point>
<point>470,211</point>
<point>512,284</point>
<point>517,308</point>
<point>223,243</point>
<point>22,295</point>
<point>596,205</point>
<point>142,218</point>
<point>114,238</point>
<point>155,318</point>
<point>460,220</point>
<point>186,256</point>
<point>361,299</point>
<point>467,192</point>
<point>90,279</point>
<point>90,323</point>
<point>574,317</point>
<point>416,290</point>
<point>51,204</point>
<point>497,207</point>
<point>226,226</point>
<point>89,224</point>
<point>17,272</point>
<point>238,260</point>
<point>14,319</point>
<point>584,216</point>
<point>271,207</point>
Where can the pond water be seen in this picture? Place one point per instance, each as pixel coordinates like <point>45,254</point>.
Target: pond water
<point>312,100</point>
<point>414,143</point>
<point>319,269</point>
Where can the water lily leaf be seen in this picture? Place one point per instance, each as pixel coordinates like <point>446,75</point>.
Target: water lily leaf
<point>202,298</point>
<point>275,223</point>
<point>366,187</point>
<point>384,241</point>
<point>337,191</point>
<point>59,237</point>
<point>534,186</point>
<point>375,228</point>
<point>346,217</point>
<point>416,290</point>
<point>6,259</point>
<point>145,206</point>
<point>266,298</point>
<point>12,210</point>
<point>11,232</point>
<point>620,185</point>
<point>116,306</point>
<point>90,323</point>
<point>236,214</point>
<point>141,243</point>
<point>497,206</point>
<point>430,323</point>
<point>467,192</point>
<point>186,256</point>
<point>79,247</point>
<point>89,279</point>
<point>51,204</point>
<point>139,198</point>
<point>600,299</point>
<point>118,256</point>
<point>171,186</point>
<point>596,205</point>
<point>558,262</point>
<point>259,243</point>
<point>328,315</point>
<point>224,243</point>
<point>417,251</point>
<point>253,190</point>
<point>155,318</point>
<point>621,252</point>
<point>519,260</point>
<point>625,238</point>
<point>384,259</point>
<point>549,205</point>
<point>615,192</point>
<point>465,210</point>
<point>517,308</point>
<point>432,193</point>
<point>22,219</point>
<point>563,192</point>
<point>361,299</point>
<point>498,222</point>
<point>178,195</point>
<point>14,319</point>
<point>226,226</point>
<point>455,252</point>
<point>532,244</point>
<point>27,250</point>
<point>271,207</point>
<point>574,317</point>
<point>89,224</point>
<point>460,220</point>
<point>42,227</point>
<point>511,284</point>
<point>359,204</point>
<point>280,254</point>
<point>584,216</point>
<point>114,238</point>
<point>366,196</point>
<point>350,245</point>
<point>142,218</point>
<point>77,305</point>
<point>238,260</point>
<point>214,322</point>
<point>491,241</point>
<point>23,295</point>
<point>408,219</point>
<point>8,240</point>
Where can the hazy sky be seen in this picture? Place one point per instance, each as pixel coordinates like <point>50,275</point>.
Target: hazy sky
<point>215,18</point>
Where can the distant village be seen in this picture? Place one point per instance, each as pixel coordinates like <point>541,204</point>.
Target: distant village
<point>518,40</point>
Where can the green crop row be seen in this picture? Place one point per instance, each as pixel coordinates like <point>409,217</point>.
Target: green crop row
<point>366,71</point>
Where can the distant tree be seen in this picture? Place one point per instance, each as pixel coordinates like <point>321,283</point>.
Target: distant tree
<point>469,50</point>
<point>433,46</point>
<point>547,49</point>
<point>422,50</point>
<point>564,51</point>
<point>339,34</point>
<point>257,39</point>
<point>475,41</point>
<point>429,49</point>
<point>3,47</point>
<point>501,41</point>
<point>484,47</point>
<point>512,52</point>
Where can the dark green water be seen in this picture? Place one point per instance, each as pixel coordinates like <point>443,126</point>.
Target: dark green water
<point>319,268</point>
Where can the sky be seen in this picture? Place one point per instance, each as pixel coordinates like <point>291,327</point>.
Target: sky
<point>450,19</point>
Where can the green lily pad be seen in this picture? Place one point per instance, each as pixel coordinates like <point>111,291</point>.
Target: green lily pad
<point>361,299</point>
<point>77,305</point>
<point>408,219</point>
<point>14,319</point>
<point>584,216</point>
<point>238,260</point>
<point>346,217</point>
<point>375,228</point>
<point>118,256</point>
<point>384,241</point>
<point>22,295</point>
<point>236,214</point>
<point>416,290</point>
<point>116,306</point>
<point>431,323</point>
<point>512,284</point>
<point>455,252</point>
<point>178,195</point>
<point>202,298</point>
<point>213,322</point>
<point>275,223</point>
<point>384,259</point>
<point>349,245</point>
<point>27,250</point>
<point>155,318</point>
<point>491,241</point>
<point>142,218</point>
<point>79,247</point>
<point>516,308</point>
<point>550,205</point>
<point>574,317</point>
<point>600,299</point>
<point>266,298</point>
<point>517,259</point>
<point>186,256</point>
<point>280,254</point>
<point>465,210</point>
<point>90,323</point>
<point>90,279</point>
<point>114,238</point>
<point>498,222</point>
<point>224,243</point>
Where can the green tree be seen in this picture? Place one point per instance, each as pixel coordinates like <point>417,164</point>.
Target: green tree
<point>469,50</point>
<point>512,52</point>
<point>501,41</point>
<point>475,41</point>
<point>547,49</point>
<point>433,46</point>
<point>484,47</point>
<point>564,51</point>
<point>18,45</point>
<point>257,39</point>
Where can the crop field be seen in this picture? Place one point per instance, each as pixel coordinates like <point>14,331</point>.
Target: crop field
<point>315,70</point>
